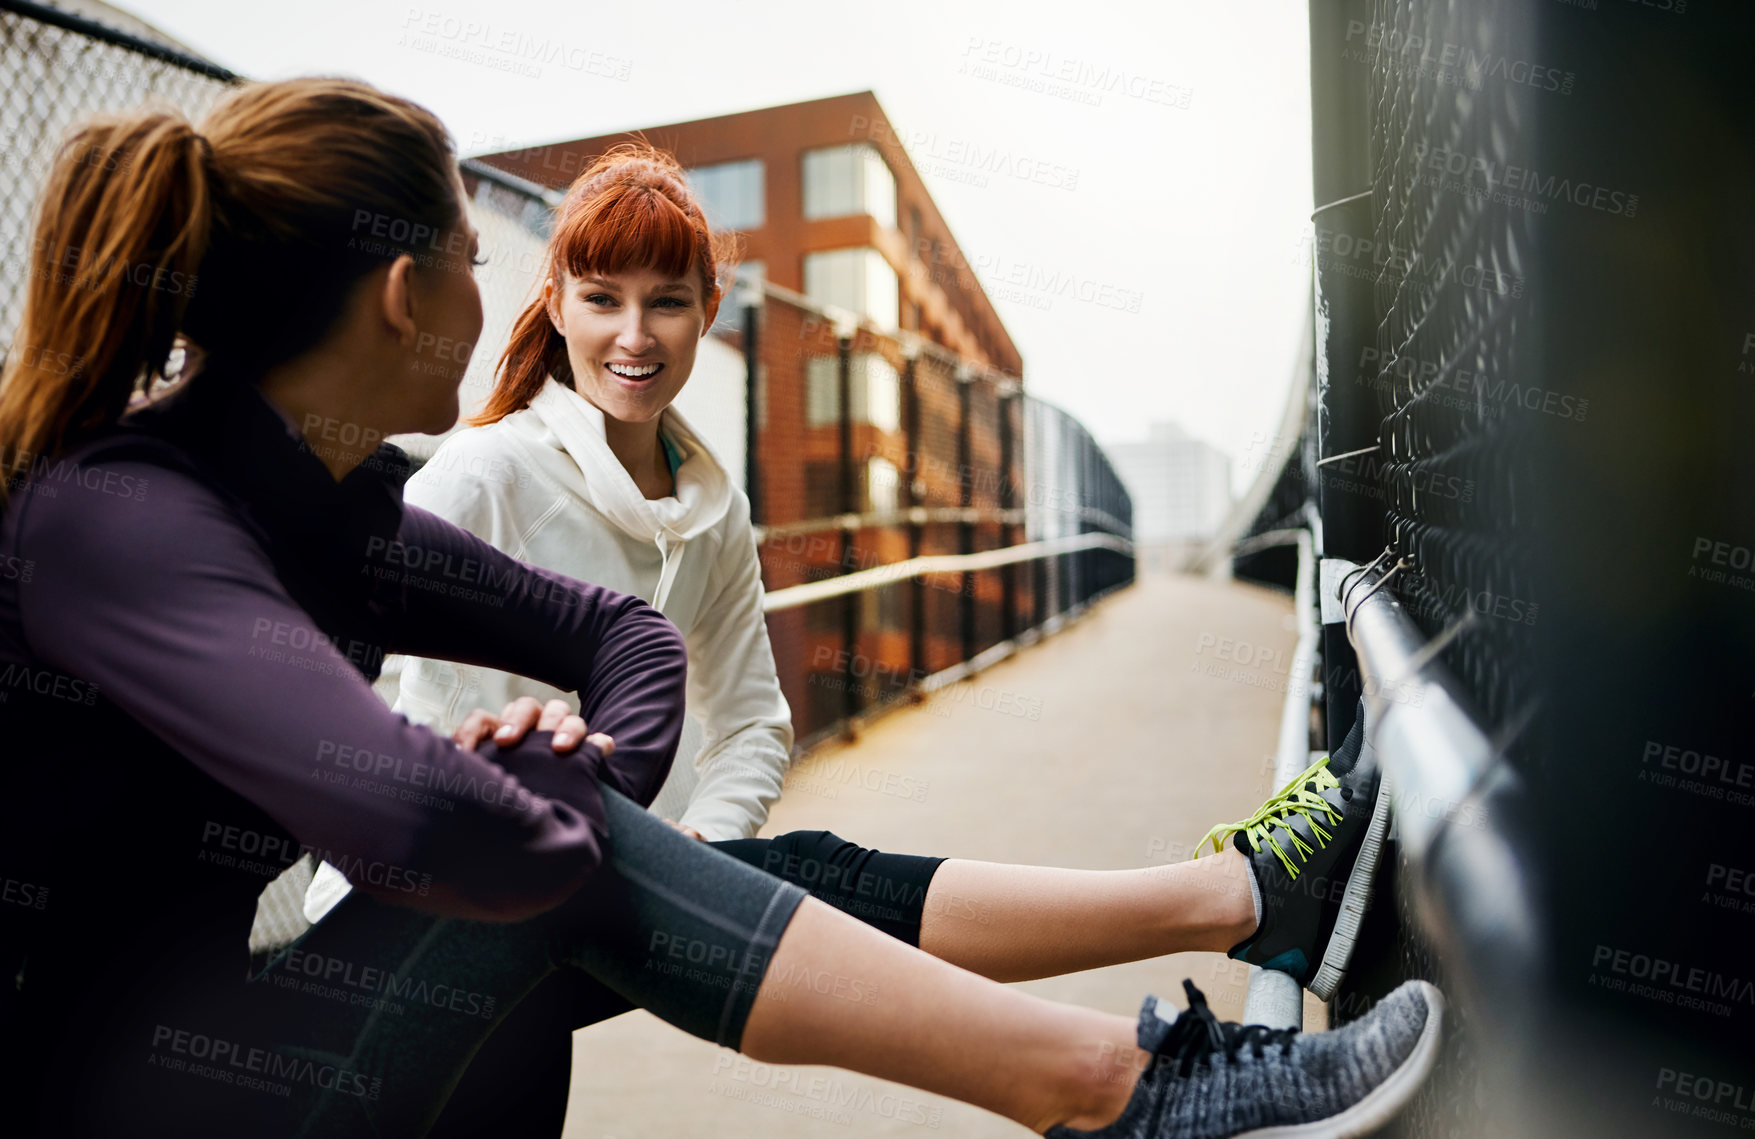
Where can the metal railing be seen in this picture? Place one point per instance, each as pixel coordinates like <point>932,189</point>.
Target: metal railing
<point>916,512</point>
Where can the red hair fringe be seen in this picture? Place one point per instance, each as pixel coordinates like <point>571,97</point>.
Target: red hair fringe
<point>630,209</point>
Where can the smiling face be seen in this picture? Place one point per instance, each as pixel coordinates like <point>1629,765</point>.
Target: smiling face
<point>630,336</point>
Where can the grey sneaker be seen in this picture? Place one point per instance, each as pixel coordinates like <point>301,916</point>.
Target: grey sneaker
<point>1211,1079</point>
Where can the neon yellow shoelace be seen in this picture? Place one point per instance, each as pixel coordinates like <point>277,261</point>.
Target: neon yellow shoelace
<point>1302,796</point>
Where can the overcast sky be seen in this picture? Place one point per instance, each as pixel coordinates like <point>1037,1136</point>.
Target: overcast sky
<point>1189,178</point>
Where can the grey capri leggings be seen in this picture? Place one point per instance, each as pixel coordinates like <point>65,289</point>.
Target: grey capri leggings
<point>366,1024</point>
<point>517,1086</point>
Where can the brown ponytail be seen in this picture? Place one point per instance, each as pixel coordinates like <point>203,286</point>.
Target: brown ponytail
<point>245,238</point>
<point>124,222</point>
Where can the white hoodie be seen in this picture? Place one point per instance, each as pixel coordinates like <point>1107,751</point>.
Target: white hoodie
<point>543,486</point>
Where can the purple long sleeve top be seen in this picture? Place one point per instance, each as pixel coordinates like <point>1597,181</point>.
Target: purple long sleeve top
<point>191,612</point>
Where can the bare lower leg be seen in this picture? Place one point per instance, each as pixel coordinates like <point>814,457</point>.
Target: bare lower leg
<point>936,1027</point>
<point>1016,923</point>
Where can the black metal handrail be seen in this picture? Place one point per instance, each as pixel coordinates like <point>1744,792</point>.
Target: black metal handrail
<point>103,33</point>
<point>1457,806</point>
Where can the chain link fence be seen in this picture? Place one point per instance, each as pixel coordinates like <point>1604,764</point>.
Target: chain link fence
<point>1531,411</point>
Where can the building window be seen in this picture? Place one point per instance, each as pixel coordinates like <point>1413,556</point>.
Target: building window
<point>883,395</point>
<point>731,193</point>
<point>840,181</point>
<point>876,392</point>
<point>882,485</point>
<point>822,392</point>
<point>857,279</point>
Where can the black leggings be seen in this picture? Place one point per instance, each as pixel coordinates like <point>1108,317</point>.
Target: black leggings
<point>517,1085</point>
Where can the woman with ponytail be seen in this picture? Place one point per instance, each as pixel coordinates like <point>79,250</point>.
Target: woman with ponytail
<point>195,596</point>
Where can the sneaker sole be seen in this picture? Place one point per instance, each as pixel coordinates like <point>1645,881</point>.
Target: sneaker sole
<point>1338,954</point>
<point>1386,1099</point>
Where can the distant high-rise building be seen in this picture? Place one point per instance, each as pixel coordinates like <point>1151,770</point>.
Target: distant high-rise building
<point>1181,486</point>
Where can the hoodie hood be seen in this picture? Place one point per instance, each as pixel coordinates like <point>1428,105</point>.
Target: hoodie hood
<point>703,491</point>
<point>542,485</point>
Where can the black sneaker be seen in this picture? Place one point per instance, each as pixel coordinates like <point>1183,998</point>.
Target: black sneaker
<point>1314,848</point>
<point>1211,1079</point>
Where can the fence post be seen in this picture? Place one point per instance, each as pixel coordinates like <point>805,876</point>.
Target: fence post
<point>1065,562</point>
<point>1008,619</point>
<point>1087,483</point>
<point>1037,477</point>
<point>850,703</point>
<point>965,499</point>
<point>752,470</point>
<point>911,483</point>
<point>1039,591</point>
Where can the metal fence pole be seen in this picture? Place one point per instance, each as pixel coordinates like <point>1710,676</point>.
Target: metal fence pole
<point>1008,622</point>
<point>1035,446</point>
<point>1063,565</point>
<point>965,529</point>
<point>752,470</point>
<point>850,703</point>
<point>917,584</point>
<point>1087,483</point>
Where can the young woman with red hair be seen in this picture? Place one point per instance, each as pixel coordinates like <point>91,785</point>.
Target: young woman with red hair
<point>196,604</point>
<point>596,475</point>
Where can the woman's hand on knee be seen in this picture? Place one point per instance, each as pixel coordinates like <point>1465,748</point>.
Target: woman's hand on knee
<point>516,720</point>
<point>690,831</point>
